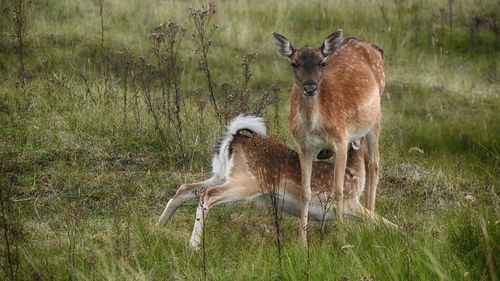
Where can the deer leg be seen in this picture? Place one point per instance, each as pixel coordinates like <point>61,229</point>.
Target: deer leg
<point>305,158</point>
<point>352,181</point>
<point>373,168</point>
<point>355,209</point>
<point>184,193</point>
<point>228,192</point>
<point>339,173</point>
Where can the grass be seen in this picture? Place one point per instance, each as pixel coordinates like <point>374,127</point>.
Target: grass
<point>83,181</point>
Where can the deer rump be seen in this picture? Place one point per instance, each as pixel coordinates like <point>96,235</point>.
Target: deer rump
<point>248,166</point>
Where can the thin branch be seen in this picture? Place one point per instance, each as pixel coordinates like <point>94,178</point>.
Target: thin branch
<point>6,235</point>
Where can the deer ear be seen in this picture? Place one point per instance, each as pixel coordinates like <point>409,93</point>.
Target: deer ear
<point>282,45</point>
<point>332,42</point>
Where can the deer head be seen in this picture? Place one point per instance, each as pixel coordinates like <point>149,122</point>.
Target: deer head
<point>308,63</point>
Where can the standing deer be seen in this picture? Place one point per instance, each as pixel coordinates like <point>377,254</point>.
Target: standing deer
<point>335,100</point>
<point>248,166</point>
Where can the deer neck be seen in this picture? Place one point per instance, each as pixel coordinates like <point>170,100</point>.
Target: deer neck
<point>305,111</point>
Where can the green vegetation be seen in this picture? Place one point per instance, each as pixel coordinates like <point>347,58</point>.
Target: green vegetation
<point>98,132</point>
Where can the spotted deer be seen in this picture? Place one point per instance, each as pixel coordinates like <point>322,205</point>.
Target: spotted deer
<point>248,166</point>
<point>335,100</point>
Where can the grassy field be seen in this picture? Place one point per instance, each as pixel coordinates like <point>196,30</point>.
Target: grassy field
<point>107,119</point>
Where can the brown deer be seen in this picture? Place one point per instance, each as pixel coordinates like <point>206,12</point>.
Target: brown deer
<point>248,166</point>
<point>335,100</point>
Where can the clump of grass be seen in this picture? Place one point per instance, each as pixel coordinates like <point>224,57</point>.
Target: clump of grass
<point>167,40</point>
<point>204,30</point>
<point>124,60</point>
<point>237,96</point>
<point>474,240</point>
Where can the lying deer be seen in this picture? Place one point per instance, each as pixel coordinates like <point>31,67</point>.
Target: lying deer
<point>335,101</point>
<point>248,166</point>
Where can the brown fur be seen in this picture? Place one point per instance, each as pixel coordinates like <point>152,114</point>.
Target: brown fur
<point>345,107</point>
<point>351,72</point>
<point>259,161</point>
<point>268,156</point>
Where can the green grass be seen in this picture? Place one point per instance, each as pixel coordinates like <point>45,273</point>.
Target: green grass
<point>83,182</point>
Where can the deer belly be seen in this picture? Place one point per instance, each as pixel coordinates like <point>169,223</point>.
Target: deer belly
<point>318,209</point>
<point>286,202</point>
<point>356,134</point>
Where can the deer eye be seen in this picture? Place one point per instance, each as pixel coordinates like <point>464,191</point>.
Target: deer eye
<point>294,65</point>
<point>323,64</point>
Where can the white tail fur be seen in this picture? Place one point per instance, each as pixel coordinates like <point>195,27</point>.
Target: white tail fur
<point>222,158</point>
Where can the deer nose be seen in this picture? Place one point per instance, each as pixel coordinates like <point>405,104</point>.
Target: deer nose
<point>310,89</point>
